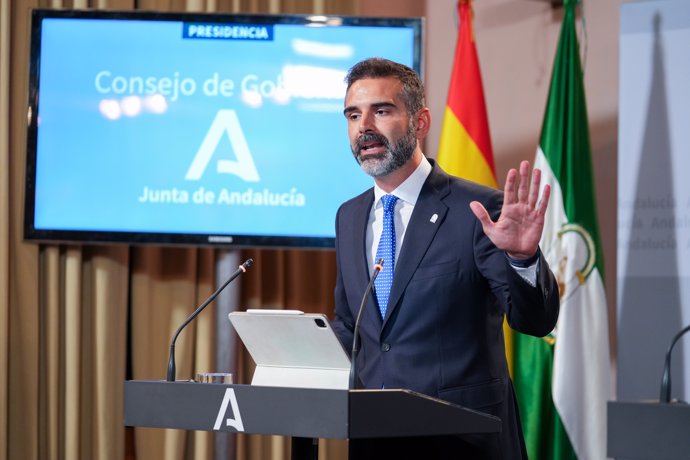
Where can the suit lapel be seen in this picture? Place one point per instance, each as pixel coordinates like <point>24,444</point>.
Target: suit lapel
<point>359,258</point>
<point>360,230</point>
<point>419,234</point>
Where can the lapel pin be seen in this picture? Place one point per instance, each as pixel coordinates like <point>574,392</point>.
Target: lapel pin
<point>433,218</point>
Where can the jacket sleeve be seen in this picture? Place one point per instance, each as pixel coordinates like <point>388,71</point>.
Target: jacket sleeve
<point>532,310</point>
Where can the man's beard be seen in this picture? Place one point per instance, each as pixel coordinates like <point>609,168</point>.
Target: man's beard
<point>394,156</point>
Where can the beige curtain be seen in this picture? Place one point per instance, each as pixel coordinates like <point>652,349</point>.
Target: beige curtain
<point>76,320</point>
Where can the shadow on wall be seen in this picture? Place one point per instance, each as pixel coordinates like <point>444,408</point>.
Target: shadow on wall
<point>650,312</point>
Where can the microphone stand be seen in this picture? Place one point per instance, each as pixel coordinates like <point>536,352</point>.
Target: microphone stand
<point>171,360</point>
<point>665,392</point>
<point>378,266</point>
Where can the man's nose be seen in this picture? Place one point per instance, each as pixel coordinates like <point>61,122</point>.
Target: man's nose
<point>366,123</point>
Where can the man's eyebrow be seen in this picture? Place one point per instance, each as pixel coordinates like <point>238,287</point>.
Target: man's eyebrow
<point>380,105</point>
<point>375,105</point>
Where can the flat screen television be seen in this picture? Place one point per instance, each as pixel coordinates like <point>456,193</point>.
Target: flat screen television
<point>187,128</point>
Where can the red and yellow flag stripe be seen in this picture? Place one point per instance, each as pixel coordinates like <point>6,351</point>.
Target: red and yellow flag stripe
<point>465,145</point>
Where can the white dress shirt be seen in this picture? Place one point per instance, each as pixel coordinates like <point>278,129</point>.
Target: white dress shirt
<point>407,194</point>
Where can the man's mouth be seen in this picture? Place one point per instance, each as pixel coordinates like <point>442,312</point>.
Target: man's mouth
<point>371,148</point>
<point>371,144</point>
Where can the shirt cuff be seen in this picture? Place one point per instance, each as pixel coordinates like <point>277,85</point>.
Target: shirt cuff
<point>526,268</point>
<point>524,263</point>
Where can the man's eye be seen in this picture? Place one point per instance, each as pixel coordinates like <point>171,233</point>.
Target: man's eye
<point>354,116</point>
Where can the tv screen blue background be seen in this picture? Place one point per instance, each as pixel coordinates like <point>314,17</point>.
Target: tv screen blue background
<point>94,162</point>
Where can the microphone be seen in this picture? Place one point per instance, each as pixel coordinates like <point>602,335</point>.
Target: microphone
<point>171,361</point>
<point>378,266</point>
<point>665,392</point>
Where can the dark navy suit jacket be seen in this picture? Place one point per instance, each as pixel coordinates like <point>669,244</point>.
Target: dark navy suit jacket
<point>442,335</point>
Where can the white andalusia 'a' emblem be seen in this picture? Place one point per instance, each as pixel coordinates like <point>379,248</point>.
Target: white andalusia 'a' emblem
<point>236,422</point>
<point>226,122</point>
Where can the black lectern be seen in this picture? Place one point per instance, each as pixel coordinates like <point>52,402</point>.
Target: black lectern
<point>298,412</point>
<point>648,430</point>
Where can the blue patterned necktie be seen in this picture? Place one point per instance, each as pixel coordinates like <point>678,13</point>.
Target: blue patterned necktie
<point>386,251</point>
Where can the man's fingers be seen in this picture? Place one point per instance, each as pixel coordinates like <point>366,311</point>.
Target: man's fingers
<point>509,188</point>
<point>534,188</point>
<point>481,214</point>
<point>523,186</point>
<point>544,199</point>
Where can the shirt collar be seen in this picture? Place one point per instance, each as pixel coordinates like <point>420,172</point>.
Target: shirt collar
<point>409,190</point>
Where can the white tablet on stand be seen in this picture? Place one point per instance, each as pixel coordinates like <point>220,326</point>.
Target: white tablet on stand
<point>292,349</point>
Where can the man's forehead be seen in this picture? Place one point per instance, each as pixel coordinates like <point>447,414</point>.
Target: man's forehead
<point>378,90</point>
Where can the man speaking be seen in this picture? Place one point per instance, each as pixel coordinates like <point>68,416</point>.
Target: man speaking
<point>458,256</point>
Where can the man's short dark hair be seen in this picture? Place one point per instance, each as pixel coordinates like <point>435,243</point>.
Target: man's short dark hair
<point>412,86</point>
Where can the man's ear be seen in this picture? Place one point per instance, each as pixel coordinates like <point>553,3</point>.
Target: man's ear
<point>422,123</point>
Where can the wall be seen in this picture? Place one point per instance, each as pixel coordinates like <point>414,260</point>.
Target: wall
<point>654,197</point>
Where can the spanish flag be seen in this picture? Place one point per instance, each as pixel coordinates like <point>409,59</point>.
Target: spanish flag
<point>465,145</point>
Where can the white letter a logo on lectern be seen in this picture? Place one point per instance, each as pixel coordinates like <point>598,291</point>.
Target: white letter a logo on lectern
<point>234,422</point>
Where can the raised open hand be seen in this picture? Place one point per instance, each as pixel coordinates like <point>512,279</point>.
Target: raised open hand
<point>518,230</point>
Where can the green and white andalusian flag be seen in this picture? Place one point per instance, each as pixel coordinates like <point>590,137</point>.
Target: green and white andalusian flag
<point>563,380</point>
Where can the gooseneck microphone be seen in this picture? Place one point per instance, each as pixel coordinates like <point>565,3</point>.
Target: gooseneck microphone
<point>665,392</point>
<point>378,266</point>
<point>171,361</point>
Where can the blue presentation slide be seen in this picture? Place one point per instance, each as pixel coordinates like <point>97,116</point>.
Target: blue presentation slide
<point>176,127</point>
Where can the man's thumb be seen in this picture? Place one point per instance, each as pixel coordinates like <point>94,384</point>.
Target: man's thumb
<point>481,213</point>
